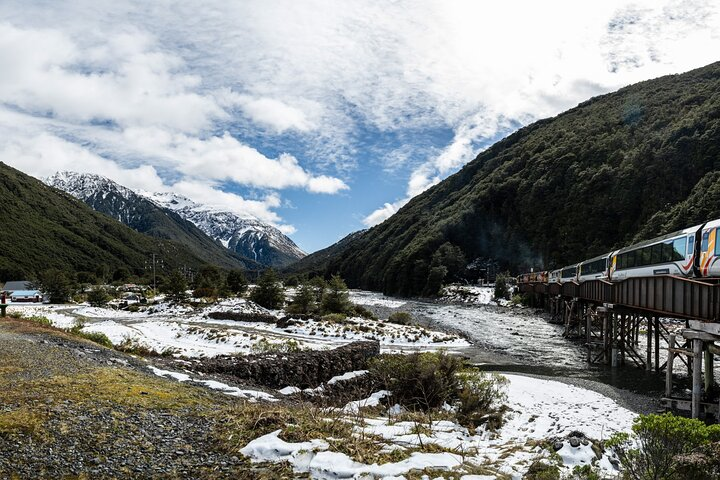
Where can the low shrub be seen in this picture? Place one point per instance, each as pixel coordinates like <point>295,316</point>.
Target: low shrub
<point>243,317</point>
<point>360,311</point>
<point>659,443</point>
<point>421,381</point>
<point>401,318</point>
<point>478,392</point>
<point>38,319</point>
<point>97,337</point>
<point>288,346</point>
<point>540,470</point>
<point>334,318</point>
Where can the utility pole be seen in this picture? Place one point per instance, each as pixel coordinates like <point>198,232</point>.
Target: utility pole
<point>154,278</point>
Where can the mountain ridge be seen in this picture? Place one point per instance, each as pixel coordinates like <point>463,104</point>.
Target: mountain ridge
<point>222,237</point>
<point>44,228</point>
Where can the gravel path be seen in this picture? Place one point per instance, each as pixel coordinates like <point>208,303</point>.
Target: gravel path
<point>66,412</point>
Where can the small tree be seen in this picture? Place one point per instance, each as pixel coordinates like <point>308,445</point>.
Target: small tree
<point>336,298</point>
<point>98,297</point>
<point>318,285</point>
<point>501,287</point>
<point>269,292</point>
<point>176,286</point>
<point>303,302</point>
<point>236,282</point>
<point>435,281</point>
<point>56,284</point>
<point>657,443</point>
<point>210,282</point>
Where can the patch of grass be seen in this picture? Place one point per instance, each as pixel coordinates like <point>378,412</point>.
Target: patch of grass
<point>38,319</point>
<point>133,347</point>
<point>22,420</point>
<point>97,337</point>
<point>112,385</point>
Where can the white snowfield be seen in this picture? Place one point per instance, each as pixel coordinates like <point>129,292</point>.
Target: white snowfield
<point>188,332</point>
<point>539,410</point>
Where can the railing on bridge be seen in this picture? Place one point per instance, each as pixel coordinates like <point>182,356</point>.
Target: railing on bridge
<point>664,295</point>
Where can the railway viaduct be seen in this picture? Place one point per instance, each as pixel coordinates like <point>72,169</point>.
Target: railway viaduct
<point>621,325</point>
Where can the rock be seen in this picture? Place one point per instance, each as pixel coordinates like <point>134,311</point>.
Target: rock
<point>574,442</point>
<point>301,369</point>
<point>557,445</point>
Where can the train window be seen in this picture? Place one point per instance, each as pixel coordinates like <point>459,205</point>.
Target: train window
<point>691,245</point>
<point>631,260</point>
<point>656,254</point>
<point>704,244</point>
<point>667,252</point>
<point>679,249</point>
<point>717,244</point>
<point>644,256</point>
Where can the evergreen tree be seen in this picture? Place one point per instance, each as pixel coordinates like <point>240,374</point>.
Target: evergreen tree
<point>56,284</point>
<point>336,298</point>
<point>303,302</point>
<point>435,280</point>
<point>210,282</point>
<point>236,282</point>
<point>98,297</point>
<point>318,285</point>
<point>176,286</point>
<point>501,286</point>
<point>269,292</point>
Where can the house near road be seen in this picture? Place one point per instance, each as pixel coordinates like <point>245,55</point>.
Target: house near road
<point>22,292</point>
<point>32,296</point>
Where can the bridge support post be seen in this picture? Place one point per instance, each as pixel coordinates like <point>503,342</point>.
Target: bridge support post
<point>657,344</point>
<point>614,345</point>
<point>648,363</point>
<point>696,377</point>
<point>709,377</point>
<point>669,369</point>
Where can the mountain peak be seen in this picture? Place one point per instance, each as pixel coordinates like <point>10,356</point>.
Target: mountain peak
<point>244,235</point>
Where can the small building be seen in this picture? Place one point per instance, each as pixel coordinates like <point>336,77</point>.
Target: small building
<point>26,296</point>
<point>17,285</point>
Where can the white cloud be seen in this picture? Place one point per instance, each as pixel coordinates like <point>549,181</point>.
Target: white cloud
<point>325,73</point>
<point>44,154</point>
<point>271,112</point>
<point>224,158</point>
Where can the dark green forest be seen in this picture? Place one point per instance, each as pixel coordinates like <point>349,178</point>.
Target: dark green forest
<point>42,228</point>
<point>619,167</point>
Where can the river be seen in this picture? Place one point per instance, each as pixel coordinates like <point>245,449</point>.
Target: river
<point>517,340</point>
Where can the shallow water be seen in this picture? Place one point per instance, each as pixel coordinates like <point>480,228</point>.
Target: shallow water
<point>515,340</point>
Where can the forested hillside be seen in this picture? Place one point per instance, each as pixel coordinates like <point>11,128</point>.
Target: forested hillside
<point>144,216</point>
<point>43,228</point>
<point>630,164</point>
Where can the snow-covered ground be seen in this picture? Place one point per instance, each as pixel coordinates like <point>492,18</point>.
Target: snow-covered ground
<point>539,410</point>
<point>184,331</point>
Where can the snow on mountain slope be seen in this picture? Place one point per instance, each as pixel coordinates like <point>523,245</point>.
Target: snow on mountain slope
<point>249,237</point>
<point>245,235</point>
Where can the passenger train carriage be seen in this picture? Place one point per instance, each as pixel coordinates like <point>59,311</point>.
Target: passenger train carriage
<point>692,252</point>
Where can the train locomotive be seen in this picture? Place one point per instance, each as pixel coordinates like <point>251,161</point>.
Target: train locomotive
<point>693,252</point>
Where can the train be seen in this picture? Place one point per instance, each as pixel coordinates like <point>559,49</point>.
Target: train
<point>693,252</point>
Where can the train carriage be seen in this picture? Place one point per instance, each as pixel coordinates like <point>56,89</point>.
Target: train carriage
<point>708,264</point>
<point>671,254</point>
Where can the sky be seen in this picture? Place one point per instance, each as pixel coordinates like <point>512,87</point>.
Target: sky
<point>321,117</point>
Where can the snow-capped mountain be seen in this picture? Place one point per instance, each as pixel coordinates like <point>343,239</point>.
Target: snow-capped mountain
<point>249,237</point>
<point>175,217</point>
